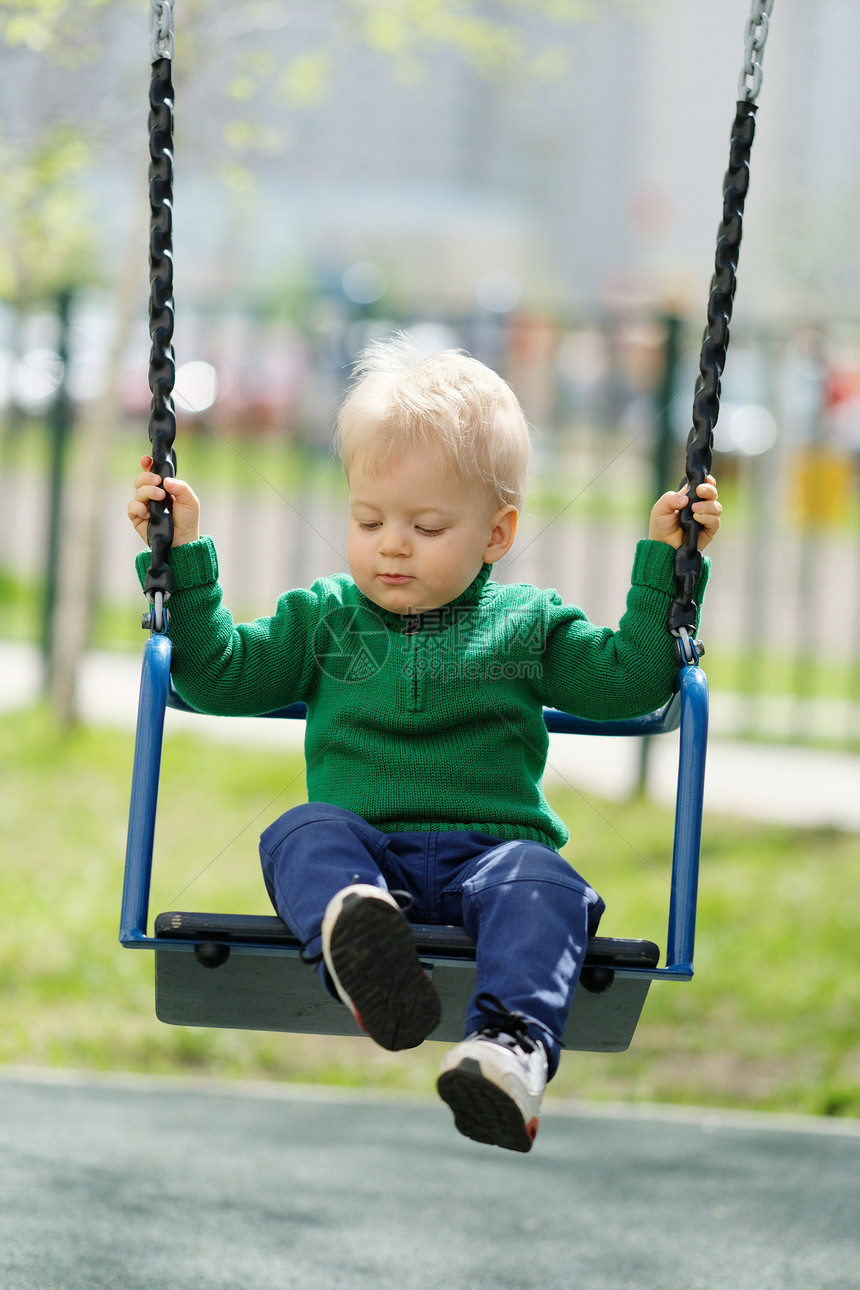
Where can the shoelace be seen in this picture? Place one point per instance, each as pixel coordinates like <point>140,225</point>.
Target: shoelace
<point>504,1025</point>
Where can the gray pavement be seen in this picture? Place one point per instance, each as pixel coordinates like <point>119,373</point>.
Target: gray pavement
<point>770,782</point>
<point>148,1184</point>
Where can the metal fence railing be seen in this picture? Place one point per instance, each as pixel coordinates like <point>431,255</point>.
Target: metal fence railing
<point>782,617</point>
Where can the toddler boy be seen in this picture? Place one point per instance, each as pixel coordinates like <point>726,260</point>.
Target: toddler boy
<point>425,744</point>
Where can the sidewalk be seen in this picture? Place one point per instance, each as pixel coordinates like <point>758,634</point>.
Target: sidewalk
<point>142,1183</point>
<point>768,782</point>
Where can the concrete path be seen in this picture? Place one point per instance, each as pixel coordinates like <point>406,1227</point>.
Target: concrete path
<point>770,782</point>
<point>150,1185</point>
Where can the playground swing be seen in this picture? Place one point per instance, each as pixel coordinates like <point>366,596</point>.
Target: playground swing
<point>245,971</point>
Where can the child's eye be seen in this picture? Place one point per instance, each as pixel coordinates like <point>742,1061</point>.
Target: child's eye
<point>368,524</point>
<point>428,532</point>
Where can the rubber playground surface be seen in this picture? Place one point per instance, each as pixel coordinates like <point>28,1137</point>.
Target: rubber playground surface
<point>158,1185</point>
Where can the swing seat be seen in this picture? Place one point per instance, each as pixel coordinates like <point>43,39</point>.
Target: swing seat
<point>245,972</point>
<point>265,986</point>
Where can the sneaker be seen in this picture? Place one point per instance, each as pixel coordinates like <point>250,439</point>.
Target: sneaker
<point>370,954</point>
<point>494,1082</point>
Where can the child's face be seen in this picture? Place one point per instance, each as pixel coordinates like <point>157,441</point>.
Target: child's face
<point>418,533</point>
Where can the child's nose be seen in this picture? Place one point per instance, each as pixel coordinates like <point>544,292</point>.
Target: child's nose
<point>394,540</point>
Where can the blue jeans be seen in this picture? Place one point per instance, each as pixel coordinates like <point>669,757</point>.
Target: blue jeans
<point>528,912</point>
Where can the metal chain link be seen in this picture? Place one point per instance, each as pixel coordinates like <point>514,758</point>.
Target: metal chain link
<point>706,399</point>
<point>162,363</point>
<point>755,35</point>
<point>161,30</point>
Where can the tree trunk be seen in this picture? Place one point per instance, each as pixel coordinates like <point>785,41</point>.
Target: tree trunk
<point>83,497</point>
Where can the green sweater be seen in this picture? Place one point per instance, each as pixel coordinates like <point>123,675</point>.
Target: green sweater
<point>429,723</point>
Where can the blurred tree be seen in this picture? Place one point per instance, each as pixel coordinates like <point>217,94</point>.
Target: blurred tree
<point>45,210</point>
<point>63,116</point>
<point>510,39</point>
<point>72,109</point>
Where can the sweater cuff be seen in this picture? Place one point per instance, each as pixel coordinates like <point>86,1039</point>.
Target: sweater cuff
<point>194,564</point>
<point>654,566</point>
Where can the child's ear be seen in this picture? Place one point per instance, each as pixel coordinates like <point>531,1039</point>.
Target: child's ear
<point>503,530</point>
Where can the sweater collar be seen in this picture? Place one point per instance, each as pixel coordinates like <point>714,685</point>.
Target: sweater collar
<point>413,622</point>
<point>472,594</point>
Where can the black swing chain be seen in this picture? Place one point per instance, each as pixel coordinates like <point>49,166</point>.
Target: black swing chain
<point>162,364</point>
<point>706,399</point>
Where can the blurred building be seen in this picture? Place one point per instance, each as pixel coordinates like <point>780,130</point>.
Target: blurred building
<point>587,170</point>
<point>592,174</point>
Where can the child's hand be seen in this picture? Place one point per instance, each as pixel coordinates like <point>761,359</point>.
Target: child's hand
<point>151,488</point>
<point>665,526</point>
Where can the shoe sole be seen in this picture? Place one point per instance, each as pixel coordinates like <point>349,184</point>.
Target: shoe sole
<point>482,1110</point>
<point>373,954</point>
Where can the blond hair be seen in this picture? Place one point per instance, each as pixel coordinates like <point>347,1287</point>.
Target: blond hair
<point>400,400</point>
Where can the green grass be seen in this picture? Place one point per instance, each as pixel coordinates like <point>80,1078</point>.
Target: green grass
<point>770,1020</point>
<point>22,601</point>
<point>774,674</point>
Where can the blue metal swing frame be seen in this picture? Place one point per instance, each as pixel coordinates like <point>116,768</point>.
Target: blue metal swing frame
<point>257,985</point>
